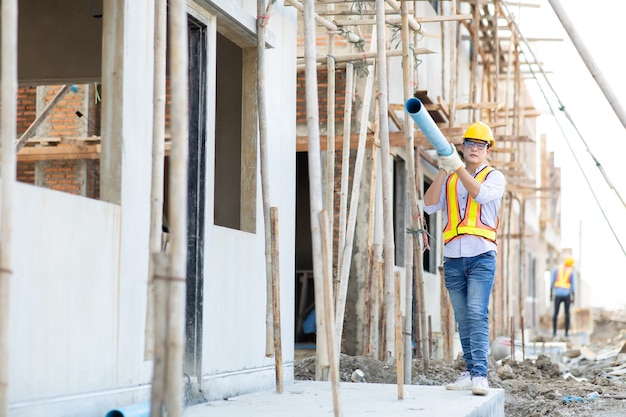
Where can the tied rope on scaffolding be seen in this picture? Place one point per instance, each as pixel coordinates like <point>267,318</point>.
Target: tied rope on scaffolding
<point>421,234</point>
<point>396,39</point>
<point>359,45</point>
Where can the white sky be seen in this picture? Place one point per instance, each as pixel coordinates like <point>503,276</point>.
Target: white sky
<point>600,26</point>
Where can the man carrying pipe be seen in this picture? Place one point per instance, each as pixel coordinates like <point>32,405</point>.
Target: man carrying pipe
<point>469,195</point>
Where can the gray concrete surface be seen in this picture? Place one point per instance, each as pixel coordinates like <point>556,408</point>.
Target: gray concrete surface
<point>314,399</point>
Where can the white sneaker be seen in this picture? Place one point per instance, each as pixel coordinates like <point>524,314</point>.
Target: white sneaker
<point>480,385</point>
<point>463,382</point>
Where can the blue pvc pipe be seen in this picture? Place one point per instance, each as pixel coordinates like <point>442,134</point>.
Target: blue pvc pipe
<point>133,410</point>
<point>427,125</point>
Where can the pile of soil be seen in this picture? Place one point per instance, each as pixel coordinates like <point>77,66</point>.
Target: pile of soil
<point>533,387</point>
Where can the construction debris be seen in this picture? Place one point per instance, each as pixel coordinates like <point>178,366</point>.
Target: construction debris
<point>587,380</point>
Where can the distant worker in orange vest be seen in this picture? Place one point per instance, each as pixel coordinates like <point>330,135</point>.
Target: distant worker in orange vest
<point>468,193</point>
<point>562,291</point>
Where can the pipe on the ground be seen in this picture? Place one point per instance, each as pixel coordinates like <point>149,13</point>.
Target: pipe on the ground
<point>427,125</point>
<point>133,410</point>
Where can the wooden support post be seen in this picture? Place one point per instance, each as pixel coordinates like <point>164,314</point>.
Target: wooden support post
<point>329,177</point>
<point>315,183</point>
<point>372,301</point>
<point>512,337</point>
<point>399,359</point>
<point>345,163</point>
<point>278,350</point>
<point>262,18</point>
<point>179,68</point>
<point>447,320</point>
<point>430,337</point>
<point>161,271</point>
<point>382,311</point>
<point>333,356</point>
<point>158,163</point>
<point>523,343</point>
<point>386,167</point>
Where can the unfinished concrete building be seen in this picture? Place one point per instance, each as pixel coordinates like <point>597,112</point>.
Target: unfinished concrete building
<point>81,323</point>
<point>464,64</point>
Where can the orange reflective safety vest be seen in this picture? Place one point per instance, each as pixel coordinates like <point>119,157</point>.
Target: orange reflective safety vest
<point>563,277</point>
<point>471,223</point>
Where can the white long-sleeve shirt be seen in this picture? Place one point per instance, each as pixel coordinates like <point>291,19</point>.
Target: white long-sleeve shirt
<point>489,196</point>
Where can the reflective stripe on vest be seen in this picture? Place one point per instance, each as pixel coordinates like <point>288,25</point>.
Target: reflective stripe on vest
<point>471,223</point>
<point>563,277</point>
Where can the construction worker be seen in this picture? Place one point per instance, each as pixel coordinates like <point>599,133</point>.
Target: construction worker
<point>562,291</point>
<point>469,195</point>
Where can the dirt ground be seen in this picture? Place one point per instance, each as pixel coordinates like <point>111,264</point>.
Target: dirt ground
<point>590,380</point>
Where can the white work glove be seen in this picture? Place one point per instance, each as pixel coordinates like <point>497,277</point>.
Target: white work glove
<point>451,163</point>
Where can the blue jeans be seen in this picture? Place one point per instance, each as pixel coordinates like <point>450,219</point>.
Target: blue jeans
<point>469,282</point>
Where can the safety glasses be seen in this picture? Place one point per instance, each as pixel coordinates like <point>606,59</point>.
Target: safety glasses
<point>478,145</point>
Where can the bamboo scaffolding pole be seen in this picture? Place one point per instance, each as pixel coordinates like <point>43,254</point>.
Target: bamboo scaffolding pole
<point>329,177</point>
<point>453,55</point>
<point>346,251</point>
<point>345,164</point>
<point>350,37</point>
<point>521,327</point>
<point>8,119</point>
<point>360,56</point>
<point>179,67</point>
<point>315,186</point>
<point>30,132</point>
<point>161,271</point>
<point>356,13</point>
<point>407,334</point>
<point>507,84</point>
<point>434,19</point>
<point>394,20</point>
<point>158,166</point>
<point>278,350</point>
<point>265,182</point>
<point>381,313</point>
<point>594,70</point>
<point>333,361</point>
<point>156,315</point>
<point>371,220</point>
<point>447,321</point>
<point>517,120</point>
<point>421,306</point>
<point>455,43</point>
<point>430,337</point>
<point>512,320</point>
<point>414,208</point>
<point>380,14</point>
<point>475,26</point>
<point>398,334</point>
<point>496,54</point>
<point>385,151</point>
<point>418,272</point>
<point>417,263</point>
<point>371,300</point>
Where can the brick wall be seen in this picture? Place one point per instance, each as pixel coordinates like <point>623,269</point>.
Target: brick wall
<point>322,91</point>
<point>26,172</point>
<point>62,175</point>
<point>26,108</point>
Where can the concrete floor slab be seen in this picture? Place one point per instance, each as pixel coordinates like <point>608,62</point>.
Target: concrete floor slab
<point>314,399</point>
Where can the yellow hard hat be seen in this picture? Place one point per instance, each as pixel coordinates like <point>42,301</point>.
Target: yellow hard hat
<point>569,261</point>
<point>480,131</point>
